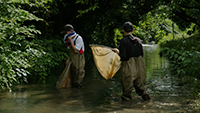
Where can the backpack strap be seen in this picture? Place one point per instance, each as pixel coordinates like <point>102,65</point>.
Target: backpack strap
<point>76,39</point>
<point>133,39</point>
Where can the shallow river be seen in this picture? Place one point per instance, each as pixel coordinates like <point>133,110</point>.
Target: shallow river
<point>103,96</point>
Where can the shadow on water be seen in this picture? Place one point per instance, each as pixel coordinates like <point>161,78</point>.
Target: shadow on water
<point>100,95</point>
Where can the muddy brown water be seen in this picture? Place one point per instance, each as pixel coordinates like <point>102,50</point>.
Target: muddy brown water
<point>103,96</point>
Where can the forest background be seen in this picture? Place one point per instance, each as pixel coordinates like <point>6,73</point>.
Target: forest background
<point>32,47</point>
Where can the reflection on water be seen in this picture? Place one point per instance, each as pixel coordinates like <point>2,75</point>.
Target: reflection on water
<point>100,95</point>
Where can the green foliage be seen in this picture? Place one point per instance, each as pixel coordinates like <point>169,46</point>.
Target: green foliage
<point>157,24</point>
<point>187,11</point>
<point>184,62</point>
<point>184,55</point>
<point>31,49</point>
<point>43,58</point>
<point>189,44</point>
<point>118,36</point>
<point>150,27</point>
<point>181,39</point>
<point>182,12</point>
<point>13,43</point>
<point>98,19</point>
<point>24,58</point>
<point>92,7</point>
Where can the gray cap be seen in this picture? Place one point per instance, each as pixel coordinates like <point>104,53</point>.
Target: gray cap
<point>67,27</point>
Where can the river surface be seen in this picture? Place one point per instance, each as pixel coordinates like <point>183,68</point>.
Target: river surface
<point>103,96</point>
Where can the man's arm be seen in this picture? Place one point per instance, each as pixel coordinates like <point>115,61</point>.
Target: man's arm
<point>72,44</point>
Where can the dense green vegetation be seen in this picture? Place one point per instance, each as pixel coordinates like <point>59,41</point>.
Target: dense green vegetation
<point>32,48</point>
<point>184,58</point>
<point>184,55</point>
<point>27,54</point>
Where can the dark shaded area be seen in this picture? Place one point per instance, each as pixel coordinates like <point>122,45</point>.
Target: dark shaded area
<point>99,23</point>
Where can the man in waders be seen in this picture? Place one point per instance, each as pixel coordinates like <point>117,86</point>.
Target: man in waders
<point>133,73</point>
<point>76,55</point>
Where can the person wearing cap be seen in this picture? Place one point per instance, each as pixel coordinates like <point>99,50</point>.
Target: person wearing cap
<point>133,72</point>
<point>76,55</point>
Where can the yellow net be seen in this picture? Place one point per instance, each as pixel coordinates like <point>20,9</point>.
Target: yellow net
<point>64,80</point>
<point>106,61</point>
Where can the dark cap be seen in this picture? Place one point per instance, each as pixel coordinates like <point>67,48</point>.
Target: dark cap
<point>67,27</point>
<point>128,27</point>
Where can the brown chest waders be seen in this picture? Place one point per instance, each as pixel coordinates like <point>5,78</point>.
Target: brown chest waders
<point>133,74</point>
<point>77,68</point>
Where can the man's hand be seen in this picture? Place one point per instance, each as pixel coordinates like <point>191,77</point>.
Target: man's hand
<point>67,62</point>
<point>115,50</point>
<point>70,39</point>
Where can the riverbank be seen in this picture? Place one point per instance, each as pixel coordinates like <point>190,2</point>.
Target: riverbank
<point>184,57</point>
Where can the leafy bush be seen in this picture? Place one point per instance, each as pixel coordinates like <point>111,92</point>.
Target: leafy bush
<point>184,55</point>
<point>24,57</point>
<point>186,63</point>
<point>190,43</point>
<point>46,55</point>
